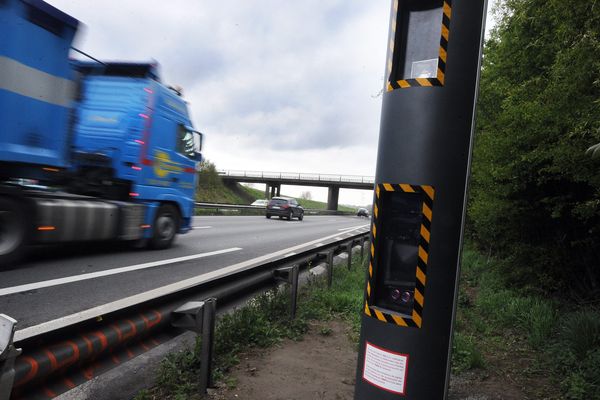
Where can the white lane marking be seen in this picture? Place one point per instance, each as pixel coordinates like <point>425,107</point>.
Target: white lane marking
<point>338,238</point>
<point>319,244</point>
<point>202,227</point>
<point>352,228</point>
<point>154,293</point>
<point>92,275</point>
<point>290,254</point>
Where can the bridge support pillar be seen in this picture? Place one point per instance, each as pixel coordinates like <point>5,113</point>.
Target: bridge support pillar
<point>333,197</point>
<point>272,190</point>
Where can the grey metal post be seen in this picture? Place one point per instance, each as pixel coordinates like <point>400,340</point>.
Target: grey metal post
<point>294,290</point>
<point>208,330</point>
<point>362,247</point>
<point>8,353</point>
<point>199,317</point>
<point>350,255</point>
<point>329,269</point>
<point>290,275</point>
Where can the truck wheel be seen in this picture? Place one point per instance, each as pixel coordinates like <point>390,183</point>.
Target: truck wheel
<point>268,216</point>
<point>166,225</point>
<point>289,216</point>
<point>13,232</point>
<point>301,217</point>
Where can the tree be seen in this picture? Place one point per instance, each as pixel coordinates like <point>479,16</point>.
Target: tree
<point>307,195</point>
<point>535,196</point>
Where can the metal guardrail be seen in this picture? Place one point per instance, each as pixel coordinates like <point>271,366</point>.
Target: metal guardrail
<point>67,351</point>
<point>228,206</point>
<point>232,207</point>
<point>298,176</point>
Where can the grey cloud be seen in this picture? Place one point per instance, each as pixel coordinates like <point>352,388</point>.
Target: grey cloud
<point>281,75</point>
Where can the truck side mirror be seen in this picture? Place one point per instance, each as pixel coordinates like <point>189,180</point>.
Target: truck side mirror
<point>198,140</point>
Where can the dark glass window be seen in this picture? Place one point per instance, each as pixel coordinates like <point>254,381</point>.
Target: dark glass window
<point>401,217</point>
<point>185,141</point>
<point>417,39</point>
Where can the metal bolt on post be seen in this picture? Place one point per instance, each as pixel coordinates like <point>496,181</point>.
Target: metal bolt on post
<point>8,353</point>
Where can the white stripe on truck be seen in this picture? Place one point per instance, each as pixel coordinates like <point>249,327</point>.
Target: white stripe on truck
<point>30,82</point>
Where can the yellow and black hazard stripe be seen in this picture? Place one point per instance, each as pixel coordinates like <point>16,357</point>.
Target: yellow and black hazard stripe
<point>416,318</point>
<point>443,53</point>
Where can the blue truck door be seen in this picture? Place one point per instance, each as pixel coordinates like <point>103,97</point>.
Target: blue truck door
<point>171,168</point>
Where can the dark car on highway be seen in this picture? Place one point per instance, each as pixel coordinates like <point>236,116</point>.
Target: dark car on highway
<point>362,212</point>
<point>285,207</point>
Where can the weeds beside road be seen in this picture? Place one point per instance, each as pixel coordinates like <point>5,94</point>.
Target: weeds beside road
<point>507,345</point>
<point>548,348</point>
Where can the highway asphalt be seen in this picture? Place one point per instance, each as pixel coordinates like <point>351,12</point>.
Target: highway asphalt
<point>59,281</point>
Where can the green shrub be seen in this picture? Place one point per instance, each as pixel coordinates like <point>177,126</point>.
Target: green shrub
<point>465,353</point>
<point>535,195</point>
<point>581,332</point>
<point>540,321</point>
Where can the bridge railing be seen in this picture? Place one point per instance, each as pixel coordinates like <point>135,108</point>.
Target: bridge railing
<point>298,176</point>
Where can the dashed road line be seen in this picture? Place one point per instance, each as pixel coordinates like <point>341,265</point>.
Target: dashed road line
<point>82,277</point>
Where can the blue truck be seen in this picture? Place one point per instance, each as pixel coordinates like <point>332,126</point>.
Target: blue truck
<point>88,150</point>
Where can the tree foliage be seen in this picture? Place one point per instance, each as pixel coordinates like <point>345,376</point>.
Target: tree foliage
<point>535,198</point>
<point>208,176</point>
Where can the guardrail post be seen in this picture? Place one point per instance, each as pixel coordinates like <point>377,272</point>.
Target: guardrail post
<point>8,353</point>
<point>199,317</point>
<point>350,255</point>
<point>362,247</point>
<point>290,275</point>
<point>329,268</point>
<point>208,332</point>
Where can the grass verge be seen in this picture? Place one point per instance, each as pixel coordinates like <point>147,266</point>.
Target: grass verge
<point>262,323</point>
<point>547,349</point>
<point>550,349</point>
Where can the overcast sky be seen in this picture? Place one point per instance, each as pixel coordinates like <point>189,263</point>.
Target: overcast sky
<point>275,86</point>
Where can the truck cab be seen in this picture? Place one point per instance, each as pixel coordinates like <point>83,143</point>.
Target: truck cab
<point>133,139</point>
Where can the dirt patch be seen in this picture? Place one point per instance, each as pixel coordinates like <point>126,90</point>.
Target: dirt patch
<point>322,366</point>
<point>510,373</point>
<point>479,385</point>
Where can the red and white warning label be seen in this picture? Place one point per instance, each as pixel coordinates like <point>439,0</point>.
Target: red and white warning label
<point>385,369</point>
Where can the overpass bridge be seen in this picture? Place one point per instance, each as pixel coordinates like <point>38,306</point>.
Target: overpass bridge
<point>274,180</point>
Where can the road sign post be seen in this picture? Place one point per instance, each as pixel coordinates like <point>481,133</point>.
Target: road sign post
<point>427,122</point>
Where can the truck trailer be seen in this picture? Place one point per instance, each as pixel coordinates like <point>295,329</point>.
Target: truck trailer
<point>88,150</point>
